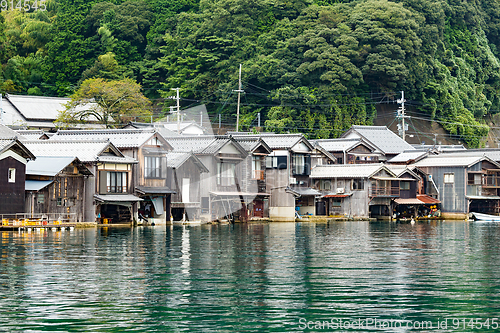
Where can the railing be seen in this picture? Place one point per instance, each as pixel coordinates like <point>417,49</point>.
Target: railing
<point>378,191</point>
<point>258,174</point>
<point>491,181</point>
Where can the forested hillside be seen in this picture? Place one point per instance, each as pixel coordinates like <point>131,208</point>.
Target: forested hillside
<point>307,66</point>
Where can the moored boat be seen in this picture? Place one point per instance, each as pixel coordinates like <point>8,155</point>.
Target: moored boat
<point>480,217</point>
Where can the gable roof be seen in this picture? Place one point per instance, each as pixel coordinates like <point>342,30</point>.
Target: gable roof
<point>176,159</point>
<point>51,166</point>
<point>342,145</point>
<point>17,146</point>
<point>400,169</point>
<point>409,156</point>
<point>381,137</point>
<point>121,138</point>
<point>348,170</point>
<point>203,144</point>
<point>32,134</point>
<point>250,144</point>
<point>277,141</point>
<point>85,150</point>
<point>450,160</point>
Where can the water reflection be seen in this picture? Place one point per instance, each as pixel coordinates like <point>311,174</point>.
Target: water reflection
<point>246,277</point>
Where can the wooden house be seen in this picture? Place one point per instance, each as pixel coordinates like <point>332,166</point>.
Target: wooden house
<point>351,151</point>
<point>184,178</point>
<point>465,182</point>
<point>386,142</point>
<point>55,188</point>
<point>108,195</point>
<point>222,190</point>
<point>357,190</point>
<point>13,158</point>
<point>148,175</point>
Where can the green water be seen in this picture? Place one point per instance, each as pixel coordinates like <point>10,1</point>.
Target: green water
<point>278,277</point>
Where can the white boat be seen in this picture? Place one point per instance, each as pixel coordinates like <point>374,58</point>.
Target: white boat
<point>485,217</point>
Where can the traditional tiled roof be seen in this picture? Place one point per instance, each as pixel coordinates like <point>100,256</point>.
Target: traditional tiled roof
<point>250,144</point>
<point>202,144</point>
<point>38,107</point>
<point>17,146</point>
<point>381,137</point>
<point>277,141</point>
<point>85,150</point>
<point>6,132</point>
<point>348,170</point>
<point>177,159</point>
<point>338,145</point>
<point>121,138</point>
<point>31,134</point>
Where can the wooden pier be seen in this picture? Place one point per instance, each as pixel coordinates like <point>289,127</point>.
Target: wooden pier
<point>27,224</point>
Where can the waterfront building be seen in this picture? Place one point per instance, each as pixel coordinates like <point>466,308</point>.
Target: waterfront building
<point>65,199</point>
<point>465,182</point>
<point>108,195</point>
<point>14,156</point>
<point>148,176</point>
<point>351,151</point>
<point>357,190</point>
<point>184,178</point>
<point>383,139</point>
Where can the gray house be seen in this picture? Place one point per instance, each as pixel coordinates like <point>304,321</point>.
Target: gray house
<point>464,183</point>
<point>357,190</point>
<point>351,151</point>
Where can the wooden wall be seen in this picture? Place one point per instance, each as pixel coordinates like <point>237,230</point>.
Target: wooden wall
<point>12,194</point>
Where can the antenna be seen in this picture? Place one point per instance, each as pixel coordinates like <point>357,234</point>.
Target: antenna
<point>239,91</point>
<point>178,110</point>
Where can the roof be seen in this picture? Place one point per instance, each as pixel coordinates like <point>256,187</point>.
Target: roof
<point>85,150</point>
<point>409,201</point>
<point>250,144</point>
<point>306,191</point>
<point>176,159</point>
<point>203,144</point>
<point>277,141</point>
<point>408,156</point>
<point>381,137</point>
<point>348,170</point>
<point>17,146</point>
<point>6,132</point>
<point>36,185</point>
<point>154,190</point>
<point>121,138</point>
<point>440,147</point>
<point>493,153</point>
<point>117,198</point>
<point>31,134</point>
<point>449,160</point>
<point>401,169</point>
<point>38,107</point>
<point>52,165</point>
<point>427,199</point>
<point>337,145</point>
<point>330,195</point>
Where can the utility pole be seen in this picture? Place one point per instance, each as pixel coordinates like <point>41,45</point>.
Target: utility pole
<point>401,114</point>
<point>239,97</point>
<point>178,110</point>
<point>1,109</point>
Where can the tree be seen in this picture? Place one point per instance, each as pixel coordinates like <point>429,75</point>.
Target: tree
<point>106,102</point>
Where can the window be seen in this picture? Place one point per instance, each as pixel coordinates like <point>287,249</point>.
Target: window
<point>301,164</point>
<point>449,178</point>
<point>59,201</point>
<point>276,162</point>
<point>12,175</point>
<point>152,167</point>
<point>257,172</point>
<point>40,198</point>
<point>117,182</point>
<point>226,174</point>
<point>474,179</point>
<point>404,185</point>
<point>358,184</point>
<point>325,185</point>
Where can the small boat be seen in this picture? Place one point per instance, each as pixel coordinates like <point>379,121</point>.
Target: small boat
<point>480,217</point>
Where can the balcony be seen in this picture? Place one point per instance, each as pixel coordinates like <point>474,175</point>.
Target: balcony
<point>491,181</point>
<point>379,191</point>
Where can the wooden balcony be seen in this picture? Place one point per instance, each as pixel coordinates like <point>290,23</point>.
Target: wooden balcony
<point>377,191</point>
<point>491,181</point>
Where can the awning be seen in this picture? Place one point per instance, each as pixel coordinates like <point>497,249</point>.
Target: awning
<point>409,201</point>
<point>158,204</point>
<point>36,185</point>
<point>304,191</point>
<point>117,199</point>
<point>237,194</point>
<point>337,195</point>
<point>154,190</point>
<point>427,199</point>
<point>480,197</point>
